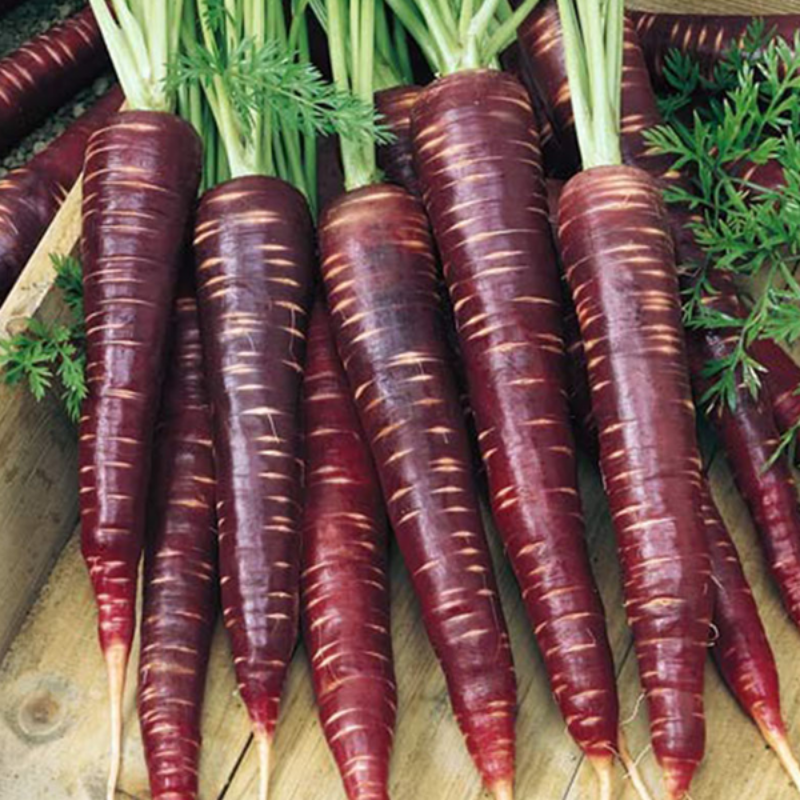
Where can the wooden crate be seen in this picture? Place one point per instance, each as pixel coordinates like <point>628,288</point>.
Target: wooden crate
<point>53,725</point>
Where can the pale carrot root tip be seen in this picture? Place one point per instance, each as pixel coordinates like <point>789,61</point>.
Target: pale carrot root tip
<point>604,768</point>
<point>677,779</point>
<point>116,664</point>
<point>783,750</point>
<point>632,769</point>
<point>264,745</point>
<point>503,791</point>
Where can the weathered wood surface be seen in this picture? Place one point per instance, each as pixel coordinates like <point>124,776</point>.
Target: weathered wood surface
<point>38,468</point>
<point>53,727</point>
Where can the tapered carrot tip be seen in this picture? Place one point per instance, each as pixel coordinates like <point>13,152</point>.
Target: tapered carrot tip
<point>503,791</point>
<point>604,767</point>
<point>264,745</point>
<point>780,744</point>
<point>116,664</point>
<point>678,777</point>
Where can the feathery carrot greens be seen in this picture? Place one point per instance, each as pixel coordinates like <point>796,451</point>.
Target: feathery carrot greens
<point>48,354</point>
<point>268,101</point>
<point>747,227</point>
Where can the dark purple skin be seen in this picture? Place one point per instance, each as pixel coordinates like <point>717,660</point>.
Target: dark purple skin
<point>381,282</point>
<point>44,73</point>
<point>630,321</point>
<point>477,154</point>
<point>30,196</point>
<point>254,260</point>
<point>345,578</point>
<point>750,439</point>
<point>397,159</point>
<point>740,647</point>
<point>141,176</point>
<point>705,37</point>
<point>180,569</point>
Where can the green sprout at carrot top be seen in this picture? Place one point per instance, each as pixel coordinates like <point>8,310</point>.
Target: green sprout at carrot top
<point>456,35</point>
<point>268,101</point>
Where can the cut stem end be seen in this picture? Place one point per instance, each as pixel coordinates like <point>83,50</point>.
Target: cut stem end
<point>116,665</point>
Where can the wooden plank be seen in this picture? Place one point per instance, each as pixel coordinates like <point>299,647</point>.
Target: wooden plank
<point>53,718</point>
<point>38,471</point>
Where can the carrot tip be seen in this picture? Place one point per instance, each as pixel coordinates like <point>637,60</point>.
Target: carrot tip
<point>677,778</point>
<point>777,740</point>
<point>632,769</point>
<point>116,664</point>
<point>503,791</point>
<point>604,767</point>
<point>264,745</point>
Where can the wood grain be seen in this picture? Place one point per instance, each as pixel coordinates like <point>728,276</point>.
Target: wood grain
<point>53,727</point>
<point>38,470</point>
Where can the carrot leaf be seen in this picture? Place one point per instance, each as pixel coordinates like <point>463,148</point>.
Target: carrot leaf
<point>44,355</point>
<point>740,149</point>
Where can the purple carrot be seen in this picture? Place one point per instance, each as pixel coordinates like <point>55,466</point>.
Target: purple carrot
<point>345,577</point>
<point>31,195</point>
<point>44,73</point>
<point>254,255</point>
<point>180,586</point>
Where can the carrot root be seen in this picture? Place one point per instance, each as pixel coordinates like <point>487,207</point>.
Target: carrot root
<point>678,774</point>
<point>632,769</point>
<point>604,768</point>
<point>264,745</point>
<point>116,664</point>
<point>503,791</point>
<point>778,741</point>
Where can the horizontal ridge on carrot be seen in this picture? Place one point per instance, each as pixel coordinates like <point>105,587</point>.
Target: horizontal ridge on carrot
<point>45,72</point>
<point>180,574</point>
<point>477,155</point>
<point>619,262</point>
<point>345,578</point>
<point>141,174</point>
<point>31,195</point>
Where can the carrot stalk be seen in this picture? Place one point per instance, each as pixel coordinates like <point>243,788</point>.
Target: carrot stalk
<point>253,246</point>
<point>31,195</point>
<point>345,581</point>
<point>380,277</point>
<point>180,587</point>
<point>45,72</point>
<point>479,167</point>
